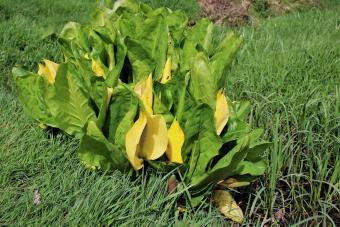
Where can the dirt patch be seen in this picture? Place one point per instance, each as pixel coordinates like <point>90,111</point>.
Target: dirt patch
<point>225,11</point>
<point>238,12</point>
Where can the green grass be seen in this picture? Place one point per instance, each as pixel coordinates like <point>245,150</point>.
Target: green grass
<point>288,67</point>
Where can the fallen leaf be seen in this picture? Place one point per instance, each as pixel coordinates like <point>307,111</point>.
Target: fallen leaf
<point>172,184</point>
<point>227,205</point>
<point>280,215</point>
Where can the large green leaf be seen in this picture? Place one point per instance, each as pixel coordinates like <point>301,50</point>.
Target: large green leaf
<point>122,111</point>
<point>256,151</point>
<point>223,57</point>
<point>251,168</point>
<point>115,73</point>
<point>96,151</point>
<point>74,40</point>
<point>201,84</point>
<point>69,105</point>
<point>147,50</point>
<point>30,90</point>
<point>199,130</point>
<point>224,167</point>
<point>197,39</point>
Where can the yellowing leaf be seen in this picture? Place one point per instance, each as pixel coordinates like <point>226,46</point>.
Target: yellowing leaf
<point>176,141</point>
<point>233,183</point>
<point>97,69</point>
<point>221,111</point>
<point>132,141</point>
<point>48,70</point>
<point>227,205</point>
<point>145,92</point>
<point>167,71</point>
<point>154,140</point>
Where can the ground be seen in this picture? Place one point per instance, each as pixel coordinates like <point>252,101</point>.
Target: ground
<point>289,69</point>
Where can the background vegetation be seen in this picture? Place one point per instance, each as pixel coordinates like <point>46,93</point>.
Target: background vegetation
<point>288,67</point>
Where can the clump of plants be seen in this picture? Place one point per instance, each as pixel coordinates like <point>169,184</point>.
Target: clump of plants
<point>143,90</point>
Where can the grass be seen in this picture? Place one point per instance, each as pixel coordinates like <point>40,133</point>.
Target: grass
<point>288,67</point>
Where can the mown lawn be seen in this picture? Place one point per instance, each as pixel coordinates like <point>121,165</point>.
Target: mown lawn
<point>289,67</point>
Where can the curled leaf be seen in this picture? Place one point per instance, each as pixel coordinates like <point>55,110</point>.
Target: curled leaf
<point>132,141</point>
<point>176,141</point>
<point>167,71</point>
<point>49,70</point>
<point>227,205</point>
<point>221,111</point>
<point>154,140</point>
<point>144,90</point>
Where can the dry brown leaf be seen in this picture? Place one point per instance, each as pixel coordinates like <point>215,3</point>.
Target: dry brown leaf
<point>227,205</point>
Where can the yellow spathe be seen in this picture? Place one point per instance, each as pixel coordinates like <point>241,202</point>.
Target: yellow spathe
<point>155,138</point>
<point>221,111</point>
<point>176,141</point>
<point>145,92</point>
<point>132,141</point>
<point>48,70</point>
<point>167,71</point>
<point>148,137</point>
<point>97,69</point>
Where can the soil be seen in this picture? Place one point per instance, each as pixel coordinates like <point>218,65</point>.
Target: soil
<point>225,11</point>
<point>238,12</point>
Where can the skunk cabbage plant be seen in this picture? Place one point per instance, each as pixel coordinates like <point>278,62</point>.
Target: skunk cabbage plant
<point>140,89</point>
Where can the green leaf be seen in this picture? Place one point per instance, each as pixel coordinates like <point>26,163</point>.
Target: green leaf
<point>225,166</point>
<point>96,151</point>
<point>103,109</point>
<point>123,110</point>
<point>177,22</point>
<point>201,84</point>
<point>223,57</point>
<point>199,127</point>
<point>252,168</point>
<point>69,105</point>
<point>197,39</point>
<point>115,72</point>
<point>125,5</point>
<point>201,33</point>
<point>31,96</point>
<point>239,109</point>
<point>147,50</point>
<point>256,151</point>
<point>236,129</point>
<point>160,109</point>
